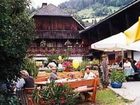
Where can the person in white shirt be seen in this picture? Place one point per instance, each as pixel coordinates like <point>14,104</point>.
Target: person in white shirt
<point>60,66</point>
<point>128,70</point>
<point>127,64</point>
<point>25,80</point>
<point>20,83</point>
<point>88,74</point>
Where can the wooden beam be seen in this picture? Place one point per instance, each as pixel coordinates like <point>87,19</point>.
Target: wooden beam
<point>127,20</point>
<point>110,27</point>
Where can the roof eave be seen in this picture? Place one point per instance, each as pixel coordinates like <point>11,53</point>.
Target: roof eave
<point>78,22</point>
<point>110,16</point>
<point>54,15</point>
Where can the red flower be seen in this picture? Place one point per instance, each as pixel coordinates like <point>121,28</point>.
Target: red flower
<point>67,64</point>
<point>63,100</point>
<point>52,102</point>
<point>60,84</point>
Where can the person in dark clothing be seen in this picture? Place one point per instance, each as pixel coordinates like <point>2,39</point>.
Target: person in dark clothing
<point>133,65</point>
<point>24,82</point>
<point>133,77</point>
<point>105,70</point>
<point>137,73</point>
<point>29,80</point>
<point>122,62</point>
<point>138,66</point>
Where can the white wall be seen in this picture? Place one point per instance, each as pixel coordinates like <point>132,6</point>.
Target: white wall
<point>40,58</point>
<point>76,58</point>
<point>136,56</point>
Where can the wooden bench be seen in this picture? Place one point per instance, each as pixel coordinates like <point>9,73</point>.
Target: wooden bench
<point>85,86</point>
<point>25,96</point>
<point>78,86</point>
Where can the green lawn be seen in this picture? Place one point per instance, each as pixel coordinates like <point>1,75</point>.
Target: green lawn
<point>108,97</point>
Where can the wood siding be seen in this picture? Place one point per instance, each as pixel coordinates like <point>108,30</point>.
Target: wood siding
<point>55,31</point>
<point>56,23</point>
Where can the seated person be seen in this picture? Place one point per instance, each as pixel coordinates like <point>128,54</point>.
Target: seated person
<point>52,64</point>
<point>71,76</point>
<point>20,83</point>
<point>138,66</point>
<point>60,66</point>
<point>25,81</point>
<point>88,74</point>
<point>53,75</point>
<point>128,70</point>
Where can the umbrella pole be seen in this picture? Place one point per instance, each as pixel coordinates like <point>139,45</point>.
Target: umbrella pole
<point>122,52</point>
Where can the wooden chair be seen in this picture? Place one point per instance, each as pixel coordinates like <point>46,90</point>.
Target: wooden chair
<point>28,92</point>
<point>25,96</point>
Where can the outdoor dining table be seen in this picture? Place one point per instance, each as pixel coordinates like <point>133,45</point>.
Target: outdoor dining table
<point>43,83</point>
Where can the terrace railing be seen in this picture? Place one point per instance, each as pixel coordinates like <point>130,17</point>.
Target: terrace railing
<point>59,50</point>
<point>58,34</point>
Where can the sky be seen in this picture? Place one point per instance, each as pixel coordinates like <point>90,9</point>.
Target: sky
<point>38,3</point>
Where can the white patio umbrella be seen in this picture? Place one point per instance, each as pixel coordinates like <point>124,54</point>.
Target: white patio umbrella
<point>134,46</point>
<point>133,33</point>
<point>114,43</point>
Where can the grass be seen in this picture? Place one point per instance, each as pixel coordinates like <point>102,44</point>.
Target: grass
<point>108,97</point>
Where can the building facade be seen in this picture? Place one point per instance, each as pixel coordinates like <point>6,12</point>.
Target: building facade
<point>57,32</point>
<point>113,24</point>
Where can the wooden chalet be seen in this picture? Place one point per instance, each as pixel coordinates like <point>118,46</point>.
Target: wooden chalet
<point>57,32</point>
<point>113,24</point>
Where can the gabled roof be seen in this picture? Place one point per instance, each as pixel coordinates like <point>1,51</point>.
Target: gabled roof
<point>51,10</point>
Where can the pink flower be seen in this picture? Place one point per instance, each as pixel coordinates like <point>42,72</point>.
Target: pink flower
<point>60,84</point>
<point>67,64</point>
<point>63,100</point>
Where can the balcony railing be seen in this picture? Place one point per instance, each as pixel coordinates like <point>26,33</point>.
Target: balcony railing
<point>61,51</point>
<point>58,34</point>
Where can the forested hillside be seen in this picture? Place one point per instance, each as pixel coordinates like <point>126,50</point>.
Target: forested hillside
<point>81,4</point>
<point>91,11</point>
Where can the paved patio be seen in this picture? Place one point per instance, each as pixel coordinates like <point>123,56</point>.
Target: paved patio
<point>130,91</point>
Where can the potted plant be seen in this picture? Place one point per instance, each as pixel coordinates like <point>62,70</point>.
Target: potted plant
<point>117,78</point>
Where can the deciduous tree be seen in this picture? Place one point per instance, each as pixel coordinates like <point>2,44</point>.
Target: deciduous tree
<point>16,32</point>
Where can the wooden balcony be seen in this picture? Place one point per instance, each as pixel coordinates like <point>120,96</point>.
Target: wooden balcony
<point>60,51</point>
<point>58,34</point>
